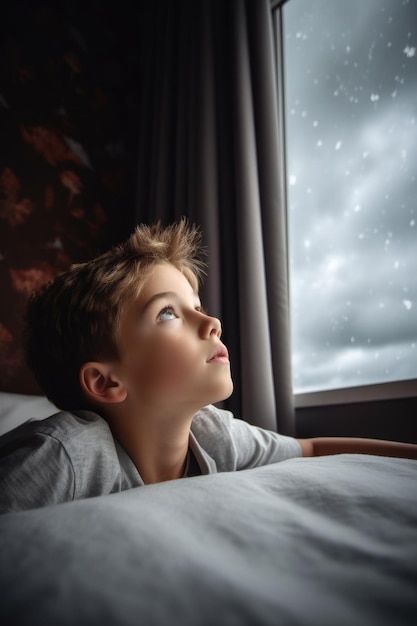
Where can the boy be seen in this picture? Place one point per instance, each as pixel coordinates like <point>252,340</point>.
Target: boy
<point>124,349</point>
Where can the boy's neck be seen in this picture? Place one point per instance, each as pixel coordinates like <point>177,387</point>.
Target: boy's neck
<point>159,461</point>
<point>157,447</point>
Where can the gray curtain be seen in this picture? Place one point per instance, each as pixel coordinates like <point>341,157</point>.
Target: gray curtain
<point>209,148</point>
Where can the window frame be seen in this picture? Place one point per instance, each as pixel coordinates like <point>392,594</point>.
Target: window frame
<point>402,389</point>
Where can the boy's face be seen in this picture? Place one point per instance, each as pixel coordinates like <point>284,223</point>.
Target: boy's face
<point>171,356</point>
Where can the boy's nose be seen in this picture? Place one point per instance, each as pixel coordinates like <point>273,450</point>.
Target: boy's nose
<point>217,327</point>
<point>211,326</point>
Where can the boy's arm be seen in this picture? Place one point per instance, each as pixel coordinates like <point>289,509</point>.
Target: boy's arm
<point>322,446</point>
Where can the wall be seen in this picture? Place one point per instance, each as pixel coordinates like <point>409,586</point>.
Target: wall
<point>385,419</point>
<point>67,155</point>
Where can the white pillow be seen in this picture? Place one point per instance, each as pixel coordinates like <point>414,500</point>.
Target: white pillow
<point>17,408</point>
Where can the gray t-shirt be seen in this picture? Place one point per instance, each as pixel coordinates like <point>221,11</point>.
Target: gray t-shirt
<point>69,456</point>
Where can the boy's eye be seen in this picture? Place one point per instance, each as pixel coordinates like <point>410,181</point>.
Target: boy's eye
<point>166,314</point>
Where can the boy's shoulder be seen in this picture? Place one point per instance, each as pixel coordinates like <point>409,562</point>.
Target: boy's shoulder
<point>63,426</point>
<point>234,444</point>
<point>63,457</point>
<point>211,414</point>
<point>211,423</point>
<point>216,436</point>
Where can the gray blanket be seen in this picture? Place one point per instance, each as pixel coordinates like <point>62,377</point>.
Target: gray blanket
<point>331,540</point>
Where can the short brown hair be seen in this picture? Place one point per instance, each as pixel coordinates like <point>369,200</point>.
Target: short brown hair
<point>75,318</point>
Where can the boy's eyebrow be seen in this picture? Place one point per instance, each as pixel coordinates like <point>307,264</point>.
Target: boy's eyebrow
<point>160,296</point>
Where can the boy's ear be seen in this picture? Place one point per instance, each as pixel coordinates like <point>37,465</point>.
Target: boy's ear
<point>99,384</point>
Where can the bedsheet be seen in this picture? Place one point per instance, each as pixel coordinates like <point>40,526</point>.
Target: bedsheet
<point>330,540</point>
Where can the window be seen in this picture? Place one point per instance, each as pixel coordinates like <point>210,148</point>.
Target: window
<point>350,113</point>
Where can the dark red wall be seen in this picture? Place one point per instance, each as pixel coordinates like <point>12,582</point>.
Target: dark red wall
<point>67,149</point>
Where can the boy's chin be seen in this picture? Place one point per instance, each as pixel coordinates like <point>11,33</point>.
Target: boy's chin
<point>227,392</point>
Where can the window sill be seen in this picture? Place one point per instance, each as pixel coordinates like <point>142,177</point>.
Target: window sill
<point>365,393</point>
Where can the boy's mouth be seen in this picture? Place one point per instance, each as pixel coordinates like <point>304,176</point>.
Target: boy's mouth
<point>220,355</point>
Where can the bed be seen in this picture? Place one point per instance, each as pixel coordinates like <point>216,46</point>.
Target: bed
<point>329,540</point>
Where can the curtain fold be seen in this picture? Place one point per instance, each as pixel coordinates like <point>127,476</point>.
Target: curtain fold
<point>209,148</point>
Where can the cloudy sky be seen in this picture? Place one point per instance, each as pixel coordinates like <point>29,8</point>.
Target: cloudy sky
<point>351,115</point>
